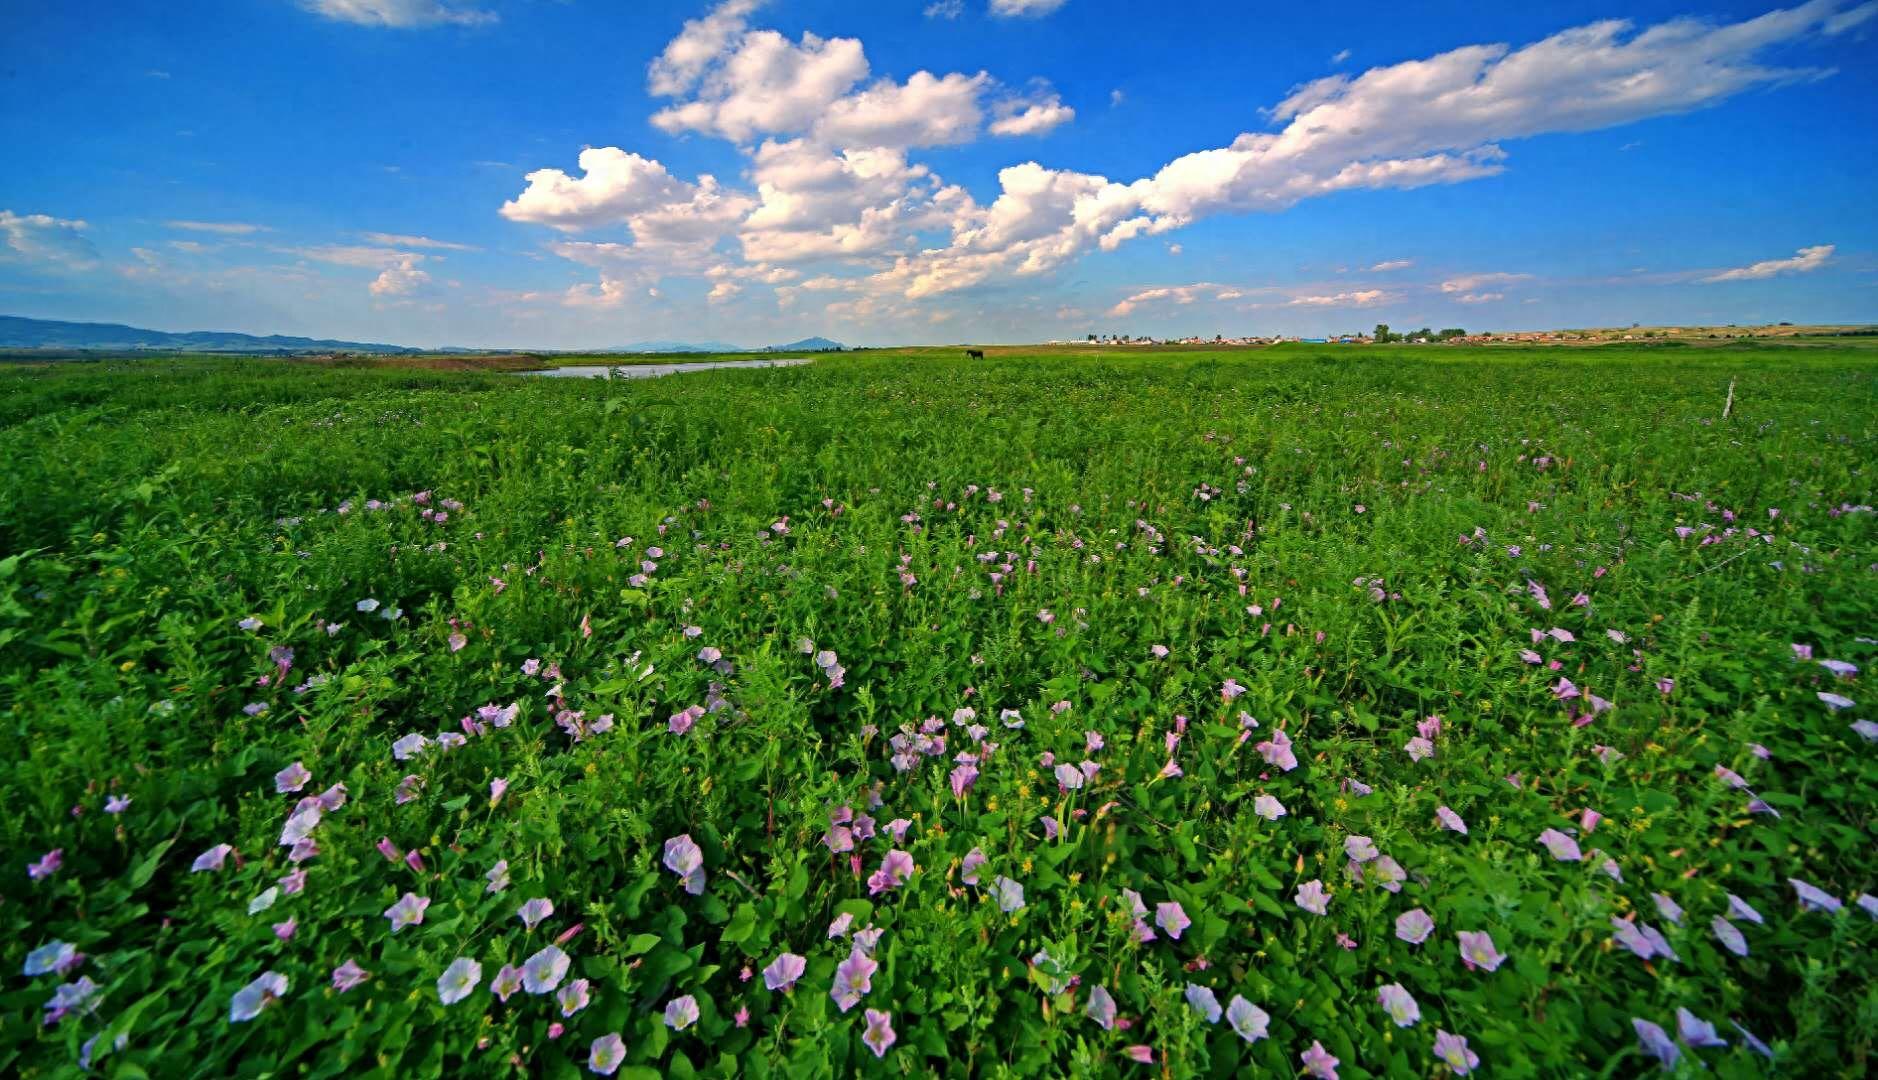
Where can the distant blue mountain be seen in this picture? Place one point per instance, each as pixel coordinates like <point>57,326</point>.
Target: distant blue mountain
<point>811,344</point>
<point>22,333</point>
<point>673,347</point>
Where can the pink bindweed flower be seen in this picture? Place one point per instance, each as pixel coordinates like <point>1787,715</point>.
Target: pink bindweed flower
<point>47,865</point>
<point>895,868</point>
<point>542,972</point>
<point>968,867</point>
<point>1813,898</point>
<point>498,877</point>
<point>251,999</point>
<point>284,930</point>
<point>54,956</point>
<point>1101,1008</point>
<point>291,779</point>
<point>879,1035</point>
<point>784,971</point>
<point>1414,926</point>
<point>1171,918</point>
<point>408,911</point>
<point>1562,847</point>
<point>1318,1062</point>
<point>1453,1052</point>
<point>1477,950</point>
<point>1656,1042</point>
<point>533,911</point>
<point>606,1054</point>
<point>1010,895</point>
<point>853,979</point>
<point>1399,1004</point>
<point>458,980</point>
<point>1312,897</point>
<point>1204,1001</point>
<point>497,788</point>
<point>1140,1053</point>
<point>1247,1020</point>
<point>212,859</point>
<point>1277,751</point>
<point>1741,909</point>
<point>349,975</point>
<point>573,997</point>
<point>1450,820</point>
<point>507,982</point>
<point>686,859</point>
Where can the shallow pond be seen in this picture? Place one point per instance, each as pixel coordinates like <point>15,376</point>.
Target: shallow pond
<point>648,371</point>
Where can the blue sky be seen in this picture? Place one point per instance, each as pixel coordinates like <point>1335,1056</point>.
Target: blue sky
<point>569,173</point>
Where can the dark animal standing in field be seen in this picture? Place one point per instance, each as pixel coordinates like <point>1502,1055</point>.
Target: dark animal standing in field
<point>974,354</point>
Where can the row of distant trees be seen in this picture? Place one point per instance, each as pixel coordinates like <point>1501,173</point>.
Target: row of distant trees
<point>1385,336</point>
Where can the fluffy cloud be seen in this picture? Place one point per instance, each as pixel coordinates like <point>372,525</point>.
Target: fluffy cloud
<point>1421,122</point>
<point>1805,261</point>
<point>818,203</point>
<point>743,85</point>
<point>400,280</point>
<point>220,228</point>
<point>1016,9</point>
<point>399,14</point>
<point>927,110</point>
<point>1034,117</point>
<point>702,41</point>
<point>766,84</point>
<point>828,154</point>
<point>41,238</point>
<point>615,186</point>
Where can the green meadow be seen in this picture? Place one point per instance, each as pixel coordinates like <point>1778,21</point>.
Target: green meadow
<point>1068,712</point>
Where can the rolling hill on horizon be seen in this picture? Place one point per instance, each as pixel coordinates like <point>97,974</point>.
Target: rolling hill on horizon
<point>18,332</point>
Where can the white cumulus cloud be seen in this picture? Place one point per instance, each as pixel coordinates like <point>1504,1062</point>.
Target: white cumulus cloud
<point>400,280</point>
<point>1031,117</point>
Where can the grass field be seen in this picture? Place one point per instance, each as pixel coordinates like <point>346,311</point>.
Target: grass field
<point>1067,712</point>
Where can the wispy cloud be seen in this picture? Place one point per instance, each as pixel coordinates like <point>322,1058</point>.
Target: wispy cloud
<point>402,241</point>
<point>1472,283</point>
<point>57,243</point>
<point>1805,261</point>
<point>222,228</point>
<point>399,14</point>
<point>1024,9</point>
